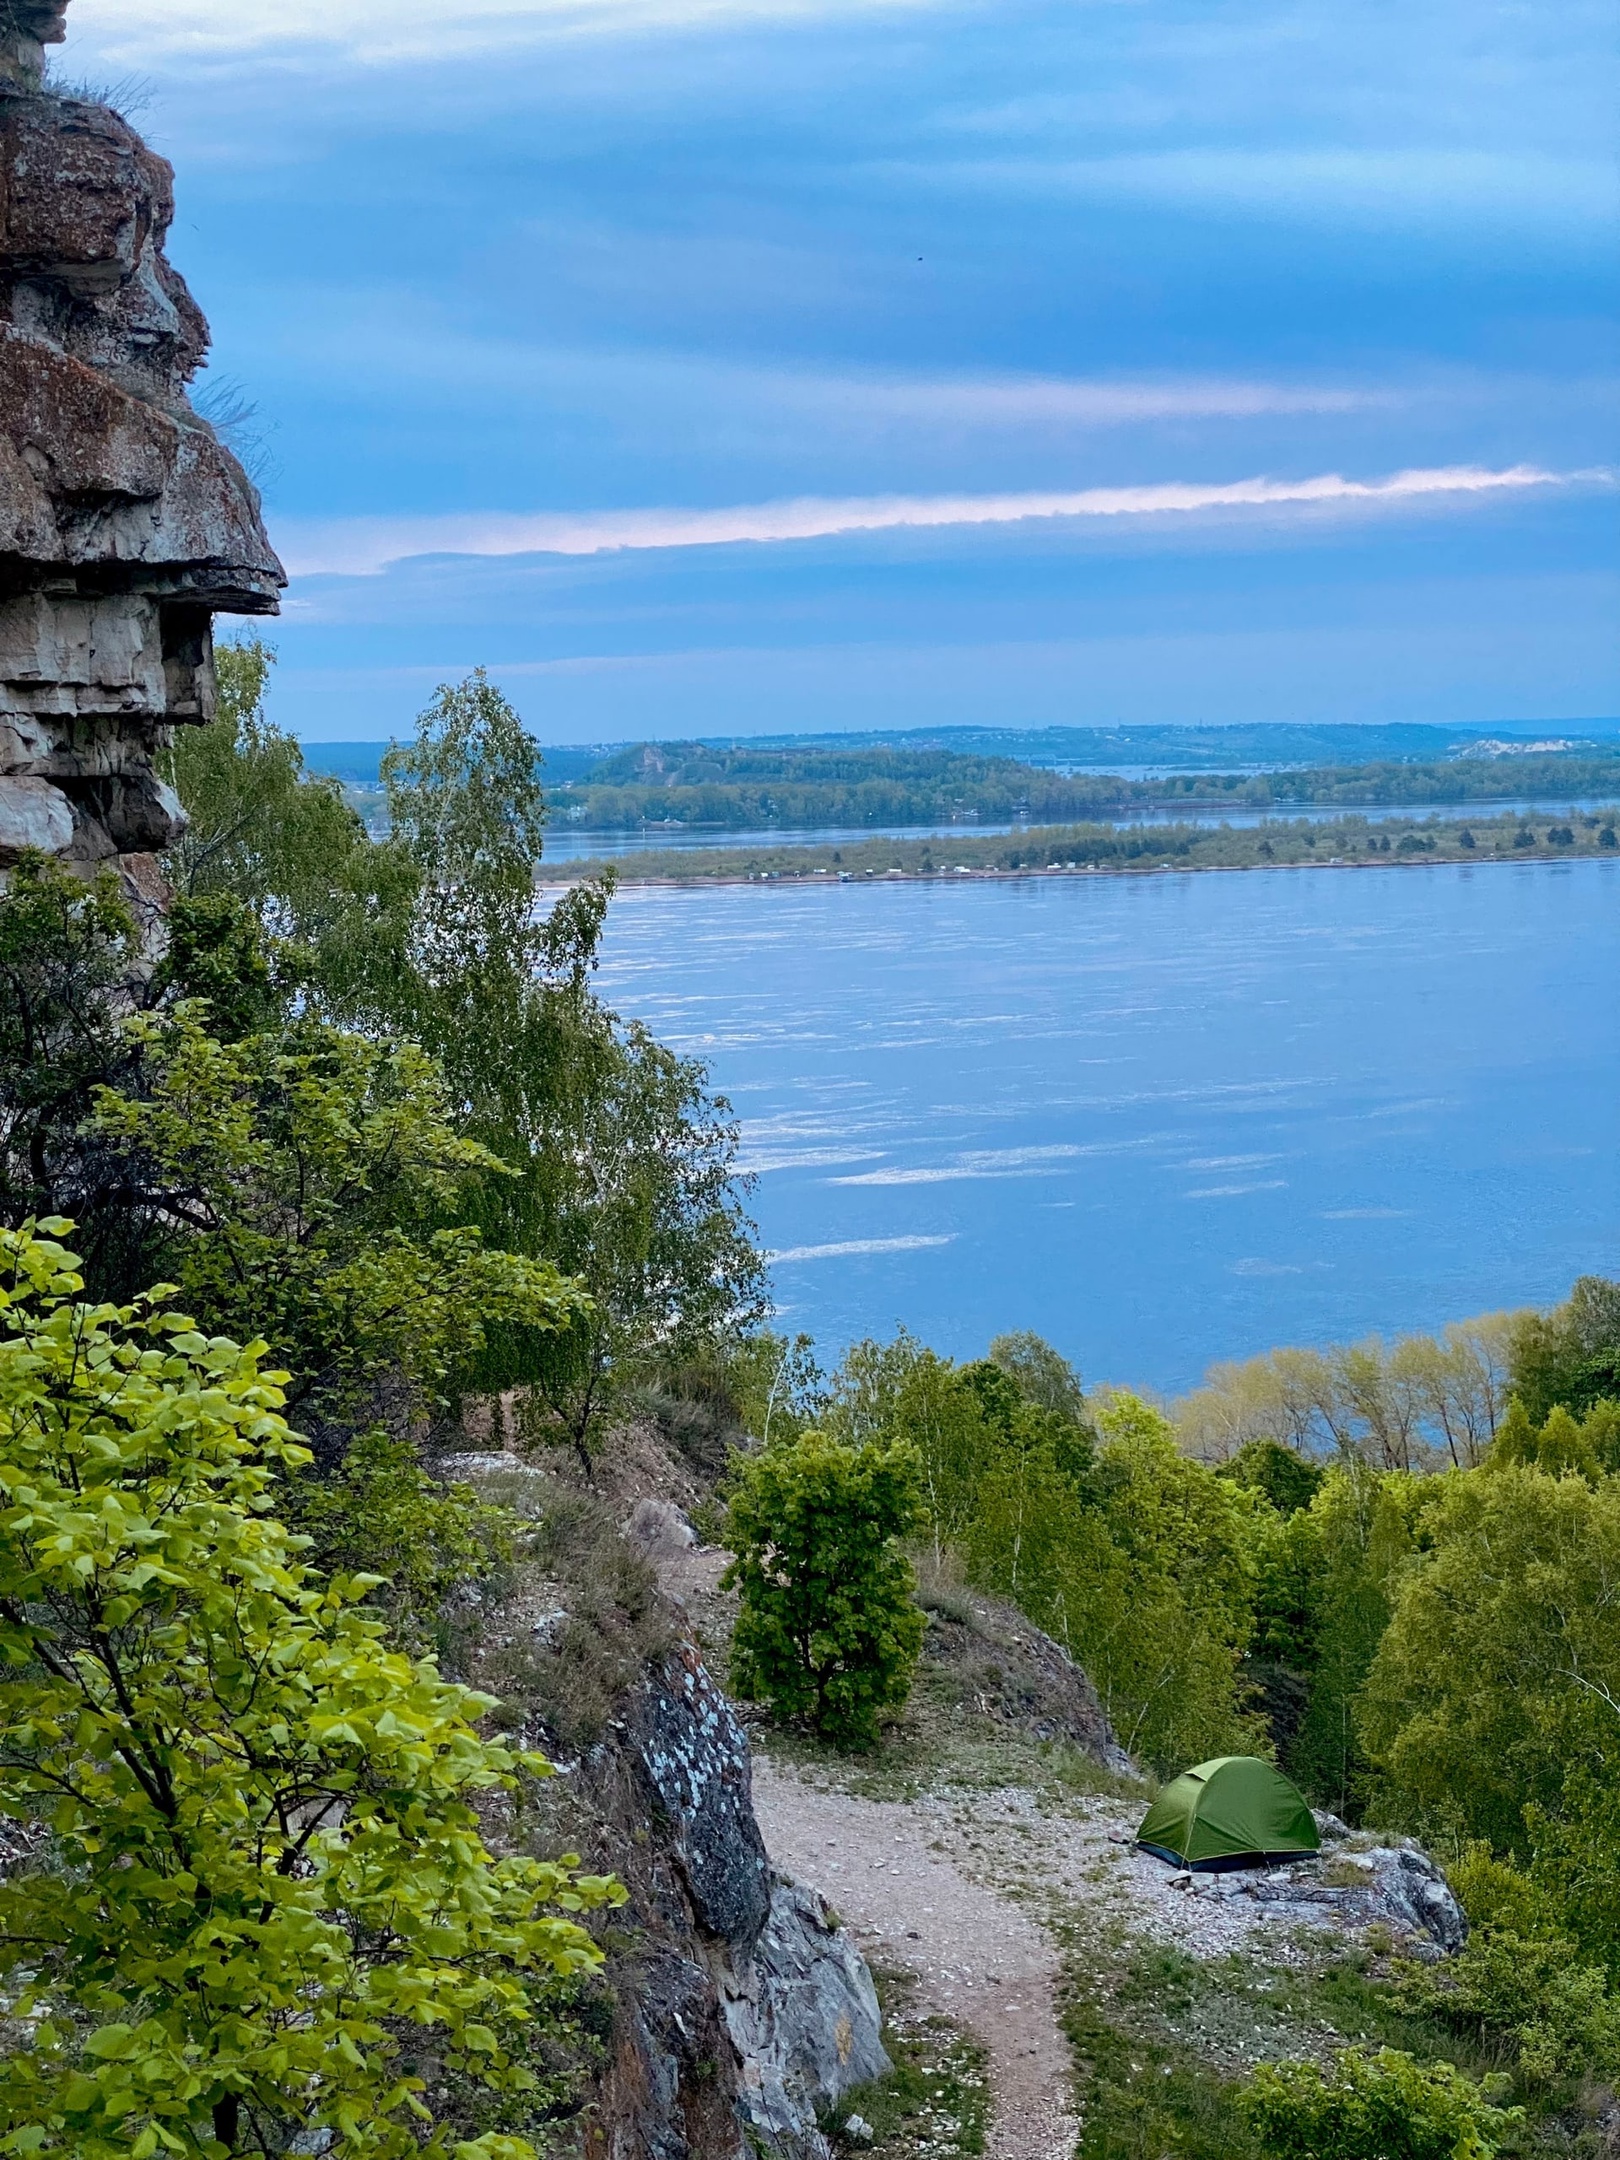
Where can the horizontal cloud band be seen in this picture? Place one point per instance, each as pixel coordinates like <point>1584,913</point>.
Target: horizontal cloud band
<point>362,546</point>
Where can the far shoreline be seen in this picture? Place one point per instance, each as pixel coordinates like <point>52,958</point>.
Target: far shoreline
<point>1351,843</point>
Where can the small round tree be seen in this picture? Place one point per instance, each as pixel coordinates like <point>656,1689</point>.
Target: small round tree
<point>828,1629</point>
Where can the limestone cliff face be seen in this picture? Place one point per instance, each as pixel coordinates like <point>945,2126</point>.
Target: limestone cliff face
<point>125,525</point>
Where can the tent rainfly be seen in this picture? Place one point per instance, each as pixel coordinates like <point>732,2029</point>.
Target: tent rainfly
<point>1233,1812</point>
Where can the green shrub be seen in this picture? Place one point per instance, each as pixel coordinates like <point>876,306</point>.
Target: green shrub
<point>828,1629</point>
<point>1383,2106</point>
<point>1536,1992</point>
<point>1497,1893</point>
<point>381,1513</point>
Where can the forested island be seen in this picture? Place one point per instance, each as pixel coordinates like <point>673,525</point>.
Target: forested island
<point>1336,843</point>
<point>748,789</point>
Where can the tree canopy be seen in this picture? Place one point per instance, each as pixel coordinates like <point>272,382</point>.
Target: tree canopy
<point>254,1860</point>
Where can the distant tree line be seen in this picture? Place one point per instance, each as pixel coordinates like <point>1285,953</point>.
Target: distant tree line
<point>1350,839</point>
<point>746,787</point>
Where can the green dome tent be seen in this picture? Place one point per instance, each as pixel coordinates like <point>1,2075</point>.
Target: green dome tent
<point>1233,1812</point>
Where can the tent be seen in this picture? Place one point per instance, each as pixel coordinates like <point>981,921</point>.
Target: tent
<point>1234,1812</point>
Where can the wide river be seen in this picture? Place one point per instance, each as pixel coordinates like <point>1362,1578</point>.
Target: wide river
<point>1161,1120</point>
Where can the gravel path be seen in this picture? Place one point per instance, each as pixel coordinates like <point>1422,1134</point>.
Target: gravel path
<point>976,1956</point>
<point>947,1886</point>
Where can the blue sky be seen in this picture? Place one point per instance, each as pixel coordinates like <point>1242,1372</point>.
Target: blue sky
<point>720,365</point>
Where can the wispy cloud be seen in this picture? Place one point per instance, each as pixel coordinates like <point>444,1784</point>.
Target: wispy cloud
<point>363,546</point>
<point>849,1248</point>
<point>1017,400</point>
<point>757,1162</point>
<point>1231,1192</point>
<point>139,32</point>
<point>976,1163</point>
<point>406,344</point>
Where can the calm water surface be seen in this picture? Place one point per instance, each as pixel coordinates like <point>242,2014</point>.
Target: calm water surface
<point>1162,1120</point>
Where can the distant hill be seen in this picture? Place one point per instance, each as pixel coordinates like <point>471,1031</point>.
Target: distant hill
<point>1261,745</point>
<point>1203,749</point>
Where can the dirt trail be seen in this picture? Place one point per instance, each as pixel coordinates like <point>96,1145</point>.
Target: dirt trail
<point>976,1956</point>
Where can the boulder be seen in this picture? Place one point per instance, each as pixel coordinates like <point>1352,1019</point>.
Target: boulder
<point>658,1530</point>
<point>803,2017</point>
<point>1416,1897</point>
<point>744,2011</point>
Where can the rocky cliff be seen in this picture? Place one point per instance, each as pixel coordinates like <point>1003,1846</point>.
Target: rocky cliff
<point>125,524</point>
<point>740,2011</point>
<point>745,2012</point>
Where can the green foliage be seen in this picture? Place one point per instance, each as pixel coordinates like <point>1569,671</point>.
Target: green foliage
<point>466,807</point>
<point>65,948</point>
<point>1496,1893</point>
<point>1379,2105</point>
<point>1589,1446</point>
<point>1501,1661</point>
<point>1139,1561</point>
<point>1570,1357</point>
<point>612,1161</point>
<point>1343,1552</point>
<point>1042,1375</point>
<point>282,841</point>
<point>1162,1628</point>
<point>380,1513</point>
<point>827,1630</point>
<point>71,974</point>
<point>291,1180</point>
<point>903,1393</point>
<point>1575,1853</point>
<point>261,1864</point>
<point>1536,1991</point>
<point>605,1154</point>
<point>775,1382</point>
<point>636,1199</point>
<point>1287,1479</point>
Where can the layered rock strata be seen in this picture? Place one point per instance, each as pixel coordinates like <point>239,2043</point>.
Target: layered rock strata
<point>125,524</point>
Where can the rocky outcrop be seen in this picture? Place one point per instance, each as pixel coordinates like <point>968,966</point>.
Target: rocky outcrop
<point>803,2019</point>
<point>694,1755</point>
<point>1409,1892</point>
<point>742,2010</point>
<point>746,2011</point>
<point>125,524</point>
<point>1000,1667</point>
<point>1356,1884</point>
